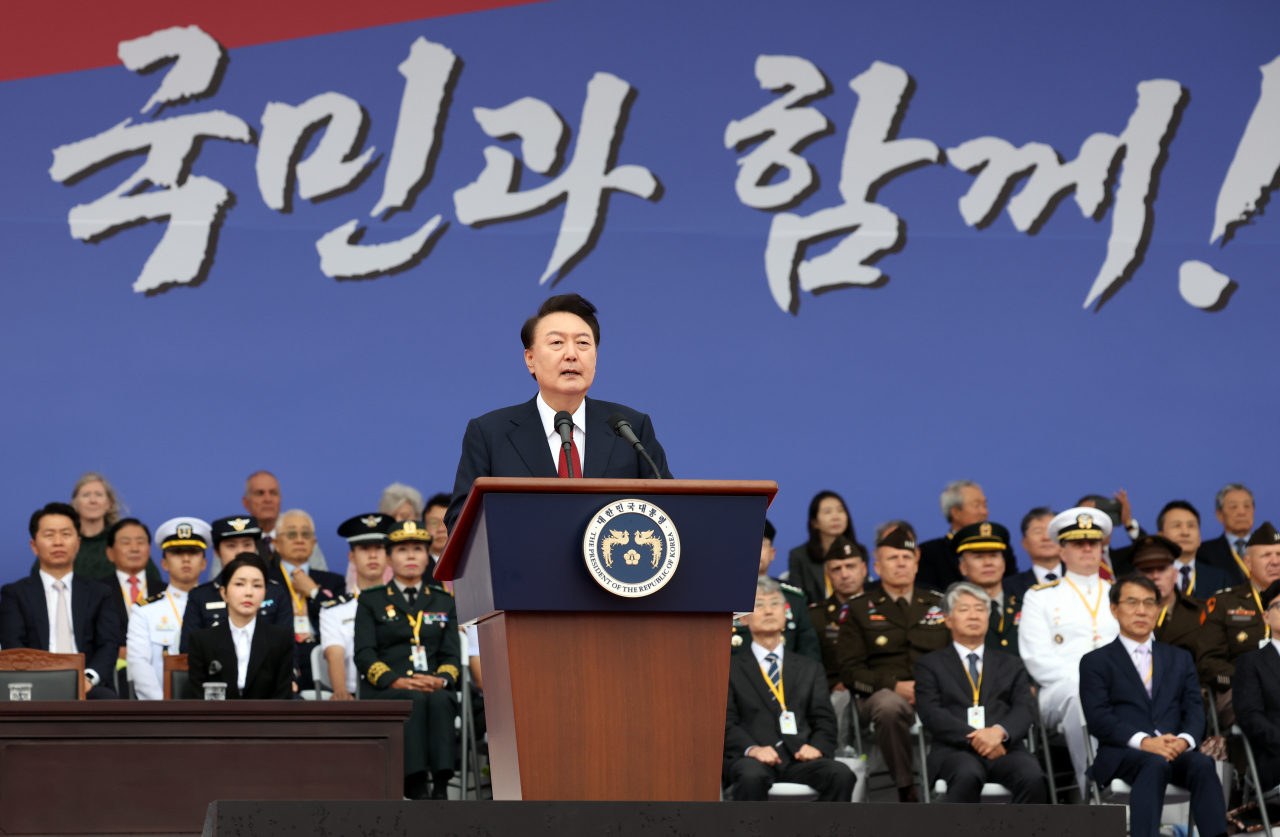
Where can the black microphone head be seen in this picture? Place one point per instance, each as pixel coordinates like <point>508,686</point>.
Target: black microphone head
<point>562,418</point>
<point>617,420</point>
<point>215,667</point>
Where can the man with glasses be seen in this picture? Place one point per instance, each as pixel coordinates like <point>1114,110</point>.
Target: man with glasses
<point>1141,700</point>
<point>308,587</point>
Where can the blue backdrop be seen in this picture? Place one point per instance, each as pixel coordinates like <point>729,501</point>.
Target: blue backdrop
<point>975,359</point>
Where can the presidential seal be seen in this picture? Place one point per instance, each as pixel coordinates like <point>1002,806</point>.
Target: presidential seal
<point>631,548</point>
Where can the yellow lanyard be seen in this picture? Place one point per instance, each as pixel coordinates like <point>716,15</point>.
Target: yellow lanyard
<point>1243,567</point>
<point>417,625</point>
<point>299,602</point>
<point>1165,611</point>
<point>1093,611</point>
<point>777,690</point>
<point>168,596</point>
<point>977,687</point>
<point>1258,600</point>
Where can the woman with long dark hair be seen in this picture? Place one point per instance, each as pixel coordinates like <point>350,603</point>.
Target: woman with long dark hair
<point>828,518</point>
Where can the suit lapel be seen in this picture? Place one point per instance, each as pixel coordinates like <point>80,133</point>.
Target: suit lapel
<point>960,674</point>
<point>600,440</point>
<point>1130,672</point>
<point>225,653</point>
<point>990,674</point>
<point>755,675</point>
<point>1271,660</point>
<point>80,612</point>
<point>530,441</point>
<point>893,612</point>
<point>40,615</point>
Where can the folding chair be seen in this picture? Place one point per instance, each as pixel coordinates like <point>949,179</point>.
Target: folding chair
<point>1047,751</point>
<point>992,792</point>
<point>1119,791</point>
<point>915,730</point>
<point>467,738</point>
<point>1254,783</point>
<point>320,676</point>
<point>31,674</point>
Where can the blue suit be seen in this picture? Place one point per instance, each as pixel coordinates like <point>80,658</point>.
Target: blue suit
<point>1209,579</point>
<point>511,442</point>
<point>1116,707</point>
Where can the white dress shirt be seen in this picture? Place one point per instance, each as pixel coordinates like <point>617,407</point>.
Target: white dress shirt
<point>1145,666</point>
<point>154,630</point>
<point>1041,572</point>
<point>548,417</point>
<point>242,638</point>
<point>1276,643</point>
<point>965,652</point>
<point>51,600</point>
<point>338,629</point>
<point>760,651</point>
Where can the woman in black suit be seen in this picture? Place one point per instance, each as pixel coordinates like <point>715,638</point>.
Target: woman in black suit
<point>252,656</point>
<point>828,517</point>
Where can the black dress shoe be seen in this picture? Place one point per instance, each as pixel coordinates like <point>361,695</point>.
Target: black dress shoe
<point>415,786</point>
<point>440,784</point>
<point>908,794</point>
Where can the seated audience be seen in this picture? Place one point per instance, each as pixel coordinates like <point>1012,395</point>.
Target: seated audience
<point>1233,506</point>
<point>155,625</point>
<point>129,551</point>
<point>799,635</point>
<point>308,587</point>
<point>885,633</point>
<point>1178,624</point>
<point>1045,554</point>
<point>963,504</point>
<point>1179,522</point>
<point>433,518</point>
<point>205,605</point>
<point>262,501</point>
<point>977,708</point>
<point>59,611</point>
<point>828,517</point>
<point>981,549</point>
<point>366,536</point>
<point>847,571</point>
<point>253,657</point>
<point>780,726</point>
<point>1233,623</point>
<point>1257,693</point>
<point>407,648</point>
<point>1063,620</point>
<point>401,502</point>
<point>1141,700</point>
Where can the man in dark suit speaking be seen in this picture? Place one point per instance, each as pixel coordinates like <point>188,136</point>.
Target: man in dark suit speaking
<point>560,343</point>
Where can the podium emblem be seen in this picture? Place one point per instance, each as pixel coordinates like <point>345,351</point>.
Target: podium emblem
<point>631,548</point>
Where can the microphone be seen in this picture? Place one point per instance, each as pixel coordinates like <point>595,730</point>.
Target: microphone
<point>622,427</point>
<point>564,424</point>
<point>214,667</point>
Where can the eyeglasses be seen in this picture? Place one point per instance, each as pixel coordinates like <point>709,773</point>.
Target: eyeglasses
<point>305,534</point>
<point>1136,603</point>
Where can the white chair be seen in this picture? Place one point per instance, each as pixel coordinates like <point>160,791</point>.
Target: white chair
<point>1118,791</point>
<point>792,792</point>
<point>992,792</point>
<point>320,674</point>
<point>1264,797</point>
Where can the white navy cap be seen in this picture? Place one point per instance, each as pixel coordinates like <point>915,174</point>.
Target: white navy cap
<point>1082,523</point>
<point>183,532</point>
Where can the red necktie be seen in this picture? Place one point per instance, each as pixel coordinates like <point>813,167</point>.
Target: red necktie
<point>577,463</point>
<point>133,589</point>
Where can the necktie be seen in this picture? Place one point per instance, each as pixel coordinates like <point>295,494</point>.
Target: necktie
<point>577,463</point>
<point>973,667</point>
<point>1050,576</point>
<point>775,673</point>
<point>410,595</point>
<point>266,541</point>
<point>1185,581</point>
<point>1240,547</point>
<point>133,589</point>
<point>995,613</point>
<point>1144,666</point>
<point>62,640</point>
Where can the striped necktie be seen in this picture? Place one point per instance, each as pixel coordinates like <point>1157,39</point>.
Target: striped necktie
<point>775,672</point>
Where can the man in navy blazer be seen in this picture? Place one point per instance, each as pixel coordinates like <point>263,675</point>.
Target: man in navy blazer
<point>1257,693</point>
<point>59,611</point>
<point>560,343</point>
<point>1141,700</point>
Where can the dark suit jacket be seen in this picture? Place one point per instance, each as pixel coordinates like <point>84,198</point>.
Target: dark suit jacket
<point>1116,705</point>
<point>1210,578</point>
<point>752,718</point>
<point>24,622</point>
<point>332,585</point>
<point>270,674</point>
<point>205,608</point>
<point>1256,698</point>
<point>940,566</point>
<point>943,697</point>
<point>1217,552</point>
<point>510,443</point>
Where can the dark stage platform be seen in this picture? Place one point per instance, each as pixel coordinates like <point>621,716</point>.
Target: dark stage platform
<point>656,819</point>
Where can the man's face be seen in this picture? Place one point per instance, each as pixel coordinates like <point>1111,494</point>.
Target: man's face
<point>983,568</point>
<point>767,552</point>
<point>972,510</point>
<point>848,575</point>
<point>409,560</point>
<point>229,548</point>
<point>1264,564</point>
<point>131,551</point>
<point>969,617</point>
<point>263,497</point>
<point>1236,514</point>
<point>184,565</point>
<point>897,567</point>
<point>56,542</point>
<point>1082,557</point>
<point>769,615</point>
<point>563,355</point>
<point>1037,542</point>
<point>1137,611</point>
<point>1181,527</point>
<point>434,521</point>
<point>1163,574</point>
<point>370,558</point>
<point>295,539</point>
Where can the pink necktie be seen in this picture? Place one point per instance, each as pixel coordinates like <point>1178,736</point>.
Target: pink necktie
<point>1144,666</point>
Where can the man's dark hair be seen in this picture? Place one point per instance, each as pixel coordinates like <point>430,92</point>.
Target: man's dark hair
<point>1133,578</point>
<point>244,559</point>
<point>1170,506</point>
<point>1035,514</point>
<point>440,499</point>
<point>120,524</point>
<point>54,508</point>
<point>568,304</point>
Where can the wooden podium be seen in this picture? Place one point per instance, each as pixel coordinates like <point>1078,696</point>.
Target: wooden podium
<point>590,695</point>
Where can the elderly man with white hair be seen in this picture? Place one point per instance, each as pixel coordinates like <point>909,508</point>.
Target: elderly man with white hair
<point>308,587</point>
<point>963,504</point>
<point>1065,619</point>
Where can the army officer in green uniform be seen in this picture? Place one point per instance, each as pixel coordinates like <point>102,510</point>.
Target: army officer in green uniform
<point>407,648</point>
<point>798,634</point>
<point>981,548</point>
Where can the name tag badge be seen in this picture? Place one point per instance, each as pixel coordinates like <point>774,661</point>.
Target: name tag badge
<point>301,626</point>
<point>977,717</point>
<point>787,720</point>
<point>419,658</point>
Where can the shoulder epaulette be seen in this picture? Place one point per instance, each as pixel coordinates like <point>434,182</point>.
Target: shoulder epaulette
<point>374,589</point>
<point>157,597</point>
<point>794,589</point>
<point>439,588</point>
<point>343,599</point>
<point>1047,584</point>
<point>1226,590</point>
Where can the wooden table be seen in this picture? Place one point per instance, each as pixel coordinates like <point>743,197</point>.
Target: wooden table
<point>153,767</point>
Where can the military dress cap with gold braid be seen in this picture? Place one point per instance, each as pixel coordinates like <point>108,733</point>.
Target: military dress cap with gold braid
<point>240,526</point>
<point>183,533</point>
<point>1264,535</point>
<point>1153,549</point>
<point>1083,523</point>
<point>841,548</point>
<point>898,537</point>
<point>981,537</point>
<point>367,529</point>
<point>408,531</point>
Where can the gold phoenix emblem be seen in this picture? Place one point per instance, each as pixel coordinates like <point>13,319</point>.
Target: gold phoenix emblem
<point>615,538</point>
<point>238,523</point>
<point>648,539</point>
